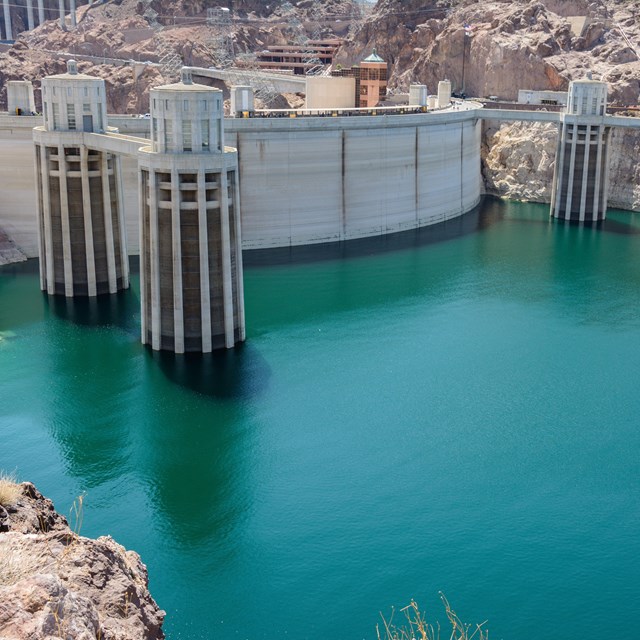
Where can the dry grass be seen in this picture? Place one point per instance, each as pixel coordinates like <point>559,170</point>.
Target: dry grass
<point>16,566</point>
<point>415,626</point>
<point>10,490</point>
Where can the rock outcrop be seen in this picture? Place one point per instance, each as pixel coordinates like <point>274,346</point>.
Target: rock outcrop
<point>518,162</point>
<point>143,30</point>
<point>9,253</point>
<point>506,46</point>
<point>56,584</point>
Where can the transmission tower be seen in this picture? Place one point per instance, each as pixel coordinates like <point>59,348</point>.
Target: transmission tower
<point>254,76</point>
<point>364,10</point>
<point>170,62</point>
<point>299,34</point>
<point>221,36</point>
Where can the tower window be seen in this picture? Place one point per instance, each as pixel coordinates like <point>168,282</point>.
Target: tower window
<point>168,133</point>
<point>186,135</point>
<point>205,134</point>
<point>71,117</point>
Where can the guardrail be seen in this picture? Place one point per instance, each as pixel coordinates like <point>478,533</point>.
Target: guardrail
<point>328,113</point>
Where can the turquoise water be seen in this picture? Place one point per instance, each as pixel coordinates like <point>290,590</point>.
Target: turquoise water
<point>455,410</point>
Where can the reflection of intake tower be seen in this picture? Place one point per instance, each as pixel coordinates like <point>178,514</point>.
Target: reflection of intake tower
<point>82,239</point>
<point>191,259</point>
<point>580,181</point>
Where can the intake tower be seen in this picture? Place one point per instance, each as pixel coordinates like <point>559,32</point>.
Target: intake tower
<point>80,220</point>
<point>190,249</point>
<point>580,181</point>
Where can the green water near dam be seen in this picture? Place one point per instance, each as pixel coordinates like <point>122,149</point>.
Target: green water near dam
<point>455,410</point>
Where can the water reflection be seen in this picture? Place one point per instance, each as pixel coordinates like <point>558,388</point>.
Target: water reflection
<point>89,400</point>
<point>240,372</point>
<point>194,455</point>
<point>121,309</point>
<point>19,281</point>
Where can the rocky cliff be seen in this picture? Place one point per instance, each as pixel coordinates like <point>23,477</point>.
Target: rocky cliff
<point>497,47</point>
<point>58,585</point>
<point>518,162</point>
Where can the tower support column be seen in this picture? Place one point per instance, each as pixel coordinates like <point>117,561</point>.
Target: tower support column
<point>227,285</point>
<point>61,12</point>
<point>203,249</point>
<point>176,235</point>
<point>88,223</point>
<point>30,20</point>
<point>66,230</point>
<point>7,20</point>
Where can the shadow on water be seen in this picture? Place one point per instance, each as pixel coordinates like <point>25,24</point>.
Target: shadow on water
<point>235,373</point>
<point>479,218</point>
<point>609,225</point>
<point>121,309</point>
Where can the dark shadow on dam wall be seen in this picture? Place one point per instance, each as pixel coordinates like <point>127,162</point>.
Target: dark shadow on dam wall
<point>462,225</point>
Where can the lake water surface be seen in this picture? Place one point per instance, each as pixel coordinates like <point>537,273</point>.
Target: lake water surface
<point>455,410</point>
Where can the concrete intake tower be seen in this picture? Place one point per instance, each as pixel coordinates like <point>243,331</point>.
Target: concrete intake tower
<point>80,220</point>
<point>580,181</point>
<point>191,285</point>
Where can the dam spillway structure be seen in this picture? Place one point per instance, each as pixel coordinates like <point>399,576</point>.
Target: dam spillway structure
<point>82,244</point>
<point>581,175</point>
<point>191,286</point>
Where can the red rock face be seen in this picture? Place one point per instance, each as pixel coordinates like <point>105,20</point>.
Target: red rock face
<point>122,32</point>
<point>57,584</point>
<point>508,46</point>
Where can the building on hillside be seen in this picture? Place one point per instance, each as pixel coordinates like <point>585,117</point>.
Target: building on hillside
<point>371,80</point>
<point>551,98</point>
<point>298,58</point>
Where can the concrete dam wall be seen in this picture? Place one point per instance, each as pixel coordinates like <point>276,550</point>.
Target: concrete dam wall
<point>303,180</point>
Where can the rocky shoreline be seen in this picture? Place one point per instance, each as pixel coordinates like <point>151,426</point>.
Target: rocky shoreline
<point>56,584</point>
<point>518,161</point>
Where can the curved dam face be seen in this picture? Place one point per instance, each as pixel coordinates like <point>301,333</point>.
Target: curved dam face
<point>303,180</point>
<point>312,180</point>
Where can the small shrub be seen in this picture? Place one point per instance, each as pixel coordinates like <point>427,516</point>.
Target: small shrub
<point>416,627</point>
<point>10,490</point>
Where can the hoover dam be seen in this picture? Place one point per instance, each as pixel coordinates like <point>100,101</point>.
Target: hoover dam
<point>302,180</point>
